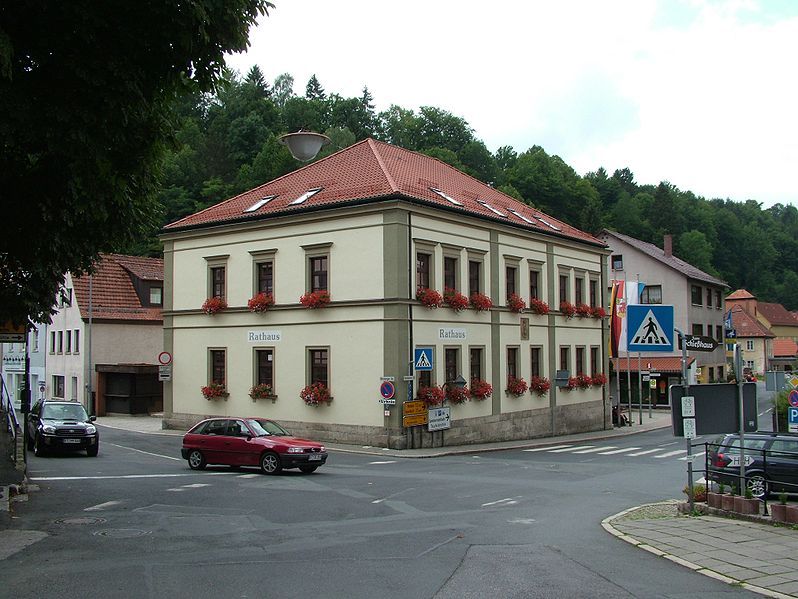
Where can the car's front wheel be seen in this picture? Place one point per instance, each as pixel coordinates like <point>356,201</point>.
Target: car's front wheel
<point>308,469</point>
<point>196,461</point>
<point>270,463</point>
<point>93,450</point>
<point>757,484</point>
<point>38,447</point>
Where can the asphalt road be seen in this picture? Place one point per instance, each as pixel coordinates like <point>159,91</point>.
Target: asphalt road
<point>136,522</point>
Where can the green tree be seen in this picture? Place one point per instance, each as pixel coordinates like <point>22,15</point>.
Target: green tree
<point>694,249</point>
<point>282,89</point>
<point>87,91</point>
<point>314,90</point>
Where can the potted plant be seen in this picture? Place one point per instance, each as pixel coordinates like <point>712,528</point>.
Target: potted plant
<point>213,305</point>
<point>516,386</point>
<point>583,381</point>
<point>480,389</point>
<point>454,299</point>
<point>568,309</point>
<point>746,504</point>
<point>429,297</point>
<point>432,396</point>
<point>260,302</point>
<point>778,511</point>
<point>598,313</point>
<point>538,306</point>
<point>699,492</point>
<point>516,303</point>
<point>713,497</point>
<point>583,310</point>
<point>457,395</point>
<point>792,513</point>
<point>315,299</point>
<point>539,385</point>
<point>315,394</point>
<point>598,379</point>
<point>727,500</point>
<point>573,383</point>
<point>262,391</point>
<point>214,391</point>
<point>480,302</point>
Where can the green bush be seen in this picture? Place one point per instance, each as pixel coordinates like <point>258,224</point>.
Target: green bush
<point>781,409</point>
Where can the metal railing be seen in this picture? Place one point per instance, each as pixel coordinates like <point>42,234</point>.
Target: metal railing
<point>7,408</point>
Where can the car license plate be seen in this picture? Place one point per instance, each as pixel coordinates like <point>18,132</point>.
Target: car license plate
<point>314,457</point>
<point>71,440</point>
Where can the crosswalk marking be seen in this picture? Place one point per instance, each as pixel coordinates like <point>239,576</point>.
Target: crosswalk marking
<point>595,449</point>
<point>624,450</point>
<point>572,448</point>
<point>647,451</point>
<point>670,454</point>
<point>547,448</point>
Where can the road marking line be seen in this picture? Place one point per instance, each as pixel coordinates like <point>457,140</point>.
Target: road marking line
<point>101,506</point>
<point>618,451</point>
<point>157,455</point>
<point>572,448</point>
<point>120,476</point>
<point>196,485</point>
<point>695,456</point>
<point>547,448</point>
<point>177,489</point>
<point>670,454</point>
<point>595,449</point>
<point>386,462</point>
<point>634,455</point>
<point>250,476</point>
<point>505,501</point>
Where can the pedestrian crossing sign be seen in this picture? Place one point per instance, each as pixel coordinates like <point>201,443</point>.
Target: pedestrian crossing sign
<point>650,328</point>
<point>422,360</point>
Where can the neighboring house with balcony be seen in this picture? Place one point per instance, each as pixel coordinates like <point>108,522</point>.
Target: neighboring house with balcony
<point>696,297</point>
<point>108,326</point>
<point>374,228</point>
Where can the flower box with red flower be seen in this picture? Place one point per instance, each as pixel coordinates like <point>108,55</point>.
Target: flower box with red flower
<point>598,312</point>
<point>538,306</point>
<point>213,305</point>
<point>481,302</point>
<point>214,391</point>
<point>584,311</point>
<point>516,386</point>
<point>516,303</point>
<point>568,309</point>
<point>262,391</point>
<point>573,383</point>
<point>429,297</point>
<point>455,300</point>
<point>315,394</point>
<point>315,299</point>
<point>432,396</point>
<point>480,389</point>
<point>598,379</point>
<point>539,385</point>
<point>260,302</point>
<point>583,381</point>
<point>456,395</point>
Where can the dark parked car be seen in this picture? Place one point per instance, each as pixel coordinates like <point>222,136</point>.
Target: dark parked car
<point>56,425</point>
<point>771,462</point>
<point>250,442</point>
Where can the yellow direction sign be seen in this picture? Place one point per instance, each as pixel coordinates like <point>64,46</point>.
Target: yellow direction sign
<point>414,413</point>
<point>414,420</point>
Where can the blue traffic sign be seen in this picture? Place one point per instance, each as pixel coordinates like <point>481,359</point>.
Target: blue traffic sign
<point>387,389</point>
<point>793,398</point>
<point>792,415</point>
<point>423,358</point>
<point>649,328</point>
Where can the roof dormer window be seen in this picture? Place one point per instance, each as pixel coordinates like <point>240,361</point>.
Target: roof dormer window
<point>521,216</point>
<point>260,203</point>
<point>491,208</point>
<point>306,196</point>
<point>445,196</point>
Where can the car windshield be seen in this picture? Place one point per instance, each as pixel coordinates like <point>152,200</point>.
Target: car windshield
<point>734,445</point>
<point>64,412</point>
<point>267,427</point>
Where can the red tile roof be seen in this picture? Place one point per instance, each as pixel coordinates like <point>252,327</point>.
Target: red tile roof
<point>784,348</point>
<point>675,263</point>
<point>746,325</point>
<point>667,364</point>
<point>740,294</point>
<point>113,296</point>
<point>776,314</point>
<point>369,171</point>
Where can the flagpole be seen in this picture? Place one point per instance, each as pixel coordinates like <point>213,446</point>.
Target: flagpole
<point>628,360</point>
<point>639,376</point>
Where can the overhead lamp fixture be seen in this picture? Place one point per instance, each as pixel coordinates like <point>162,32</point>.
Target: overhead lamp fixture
<point>304,145</point>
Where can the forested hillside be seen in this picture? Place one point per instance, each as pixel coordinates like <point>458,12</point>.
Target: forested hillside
<point>227,143</point>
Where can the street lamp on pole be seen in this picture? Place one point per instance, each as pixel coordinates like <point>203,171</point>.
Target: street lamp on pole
<point>304,145</point>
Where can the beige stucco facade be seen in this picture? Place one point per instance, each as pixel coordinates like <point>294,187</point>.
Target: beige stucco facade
<point>374,322</point>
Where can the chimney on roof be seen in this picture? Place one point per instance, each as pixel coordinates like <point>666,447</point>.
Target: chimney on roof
<point>668,245</point>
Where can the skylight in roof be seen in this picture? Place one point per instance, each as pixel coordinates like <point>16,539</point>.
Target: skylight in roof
<point>521,216</point>
<point>260,203</point>
<point>491,208</point>
<point>547,223</point>
<point>445,196</point>
<point>307,195</point>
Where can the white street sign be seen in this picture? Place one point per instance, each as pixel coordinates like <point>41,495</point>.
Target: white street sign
<point>688,406</point>
<point>390,379</point>
<point>689,428</point>
<point>438,419</point>
<point>387,402</point>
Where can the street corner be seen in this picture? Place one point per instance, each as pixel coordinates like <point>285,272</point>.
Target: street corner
<point>14,541</point>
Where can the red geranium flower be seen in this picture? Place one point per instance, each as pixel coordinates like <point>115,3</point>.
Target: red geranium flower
<point>538,306</point>
<point>480,302</point>
<point>455,300</point>
<point>429,297</point>
<point>315,299</point>
<point>213,305</point>
<point>516,303</point>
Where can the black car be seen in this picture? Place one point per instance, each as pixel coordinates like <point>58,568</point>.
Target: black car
<point>61,425</point>
<point>771,462</point>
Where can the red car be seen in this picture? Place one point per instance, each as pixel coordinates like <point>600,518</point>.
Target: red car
<point>250,442</point>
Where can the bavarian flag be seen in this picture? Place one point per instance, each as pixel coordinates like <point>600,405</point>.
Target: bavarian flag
<point>617,312</point>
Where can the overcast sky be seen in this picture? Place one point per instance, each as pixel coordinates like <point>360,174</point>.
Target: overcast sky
<point>696,92</point>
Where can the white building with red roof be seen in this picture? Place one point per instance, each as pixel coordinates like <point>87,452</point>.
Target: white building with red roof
<point>368,227</point>
<point>108,325</point>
